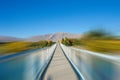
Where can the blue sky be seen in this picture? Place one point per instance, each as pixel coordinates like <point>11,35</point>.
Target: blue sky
<point>25,18</point>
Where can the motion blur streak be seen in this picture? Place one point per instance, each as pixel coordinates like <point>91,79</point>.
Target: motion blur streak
<point>26,66</point>
<point>94,66</point>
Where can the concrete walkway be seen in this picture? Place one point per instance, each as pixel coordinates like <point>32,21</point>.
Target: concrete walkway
<point>59,68</point>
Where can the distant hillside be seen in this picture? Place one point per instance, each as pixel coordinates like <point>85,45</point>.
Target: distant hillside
<point>9,39</point>
<point>54,37</point>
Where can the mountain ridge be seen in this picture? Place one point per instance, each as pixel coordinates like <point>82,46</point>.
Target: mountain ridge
<point>53,36</point>
<point>9,39</point>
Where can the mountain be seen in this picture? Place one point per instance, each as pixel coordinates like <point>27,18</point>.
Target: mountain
<point>9,39</point>
<point>54,37</point>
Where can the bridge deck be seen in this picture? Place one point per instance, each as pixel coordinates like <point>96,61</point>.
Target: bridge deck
<point>59,68</point>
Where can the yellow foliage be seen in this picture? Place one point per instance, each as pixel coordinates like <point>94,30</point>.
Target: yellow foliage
<point>15,47</point>
<point>103,45</point>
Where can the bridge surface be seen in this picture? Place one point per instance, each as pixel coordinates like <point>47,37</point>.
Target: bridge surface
<point>60,68</point>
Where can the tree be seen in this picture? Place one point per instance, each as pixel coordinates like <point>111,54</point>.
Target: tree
<point>96,34</point>
<point>66,42</point>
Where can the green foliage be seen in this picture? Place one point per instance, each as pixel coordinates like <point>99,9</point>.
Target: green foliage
<point>14,47</point>
<point>96,40</point>
<point>71,42</point>
<point>42,44</point>
<point>50,43</point>
<point>67,42</point>
<point>97,34</point>
<point>103,45</point>
<point>75,42</point>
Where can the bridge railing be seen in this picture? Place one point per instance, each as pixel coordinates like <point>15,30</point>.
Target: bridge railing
<point>28,65</point>
<point>93,66</point>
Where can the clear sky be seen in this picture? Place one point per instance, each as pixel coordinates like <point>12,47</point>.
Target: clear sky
<point>25,18</point>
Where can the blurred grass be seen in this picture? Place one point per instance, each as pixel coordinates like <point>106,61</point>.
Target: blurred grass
<point>96,40</point>
<point>14,47</point>
<point>97,45</point>
<point>112,46</point>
